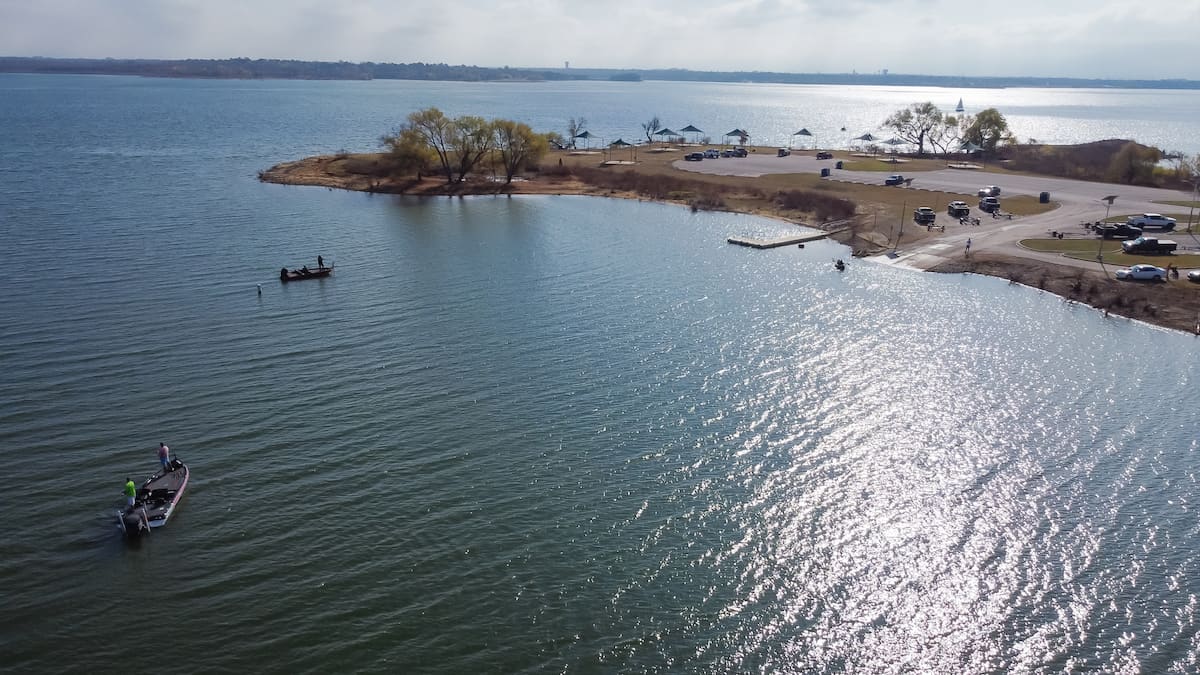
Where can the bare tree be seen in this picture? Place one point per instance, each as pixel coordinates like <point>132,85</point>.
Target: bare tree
<point>914,123</point>
<point>650,127</point>
<point>574,128</point>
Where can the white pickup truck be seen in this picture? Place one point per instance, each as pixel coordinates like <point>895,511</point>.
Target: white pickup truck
<point>1152,220</point>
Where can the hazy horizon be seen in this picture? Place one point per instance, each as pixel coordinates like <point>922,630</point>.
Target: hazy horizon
<point>1100,39</point>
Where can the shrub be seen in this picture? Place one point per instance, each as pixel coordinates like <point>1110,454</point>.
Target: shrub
<point>823,207</point>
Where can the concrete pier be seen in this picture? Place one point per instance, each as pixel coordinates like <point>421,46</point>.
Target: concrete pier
<point>776,243</point>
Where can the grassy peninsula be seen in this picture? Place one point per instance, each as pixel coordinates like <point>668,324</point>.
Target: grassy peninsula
<point>871,218</point>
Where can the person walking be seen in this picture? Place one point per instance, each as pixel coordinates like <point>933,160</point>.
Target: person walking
<point>968,246</point>
<point>164,456</point>
<point>130,491</point>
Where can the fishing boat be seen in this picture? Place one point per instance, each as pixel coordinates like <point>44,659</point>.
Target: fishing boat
<point>155,501</point>
<point>286,275</point>
<point>959,107</point>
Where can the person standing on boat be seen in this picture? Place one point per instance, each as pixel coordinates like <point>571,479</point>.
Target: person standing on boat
<point>130,491</point>
<point>320,263</point>
<point>164,456</point>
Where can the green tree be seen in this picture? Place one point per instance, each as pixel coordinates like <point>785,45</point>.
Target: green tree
<point>914,123</point>
<point>437,132</point>
<point>471,140</point>
<point>518,146</point>
<point>408,151</point>
<point>1133,164</point>
<point>988,129</point>
<point>650,126</point>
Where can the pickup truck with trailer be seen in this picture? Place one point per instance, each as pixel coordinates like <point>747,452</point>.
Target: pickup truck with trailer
<point>1117,231</point>
<point>924,216</point>
<point>989,204</point>
<point>958,210</point>
<point>1149,245</point>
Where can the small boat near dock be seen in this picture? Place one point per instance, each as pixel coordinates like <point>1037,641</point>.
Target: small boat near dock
<point>155,501</point>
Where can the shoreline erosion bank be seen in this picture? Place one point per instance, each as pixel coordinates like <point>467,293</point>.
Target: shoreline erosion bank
<point>1172,305</point>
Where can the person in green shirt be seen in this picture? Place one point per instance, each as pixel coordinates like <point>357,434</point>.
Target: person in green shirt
<point>130,491</point>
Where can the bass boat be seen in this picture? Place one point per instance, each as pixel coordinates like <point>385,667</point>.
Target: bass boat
<point>286,275</point>
<point>155,501</point>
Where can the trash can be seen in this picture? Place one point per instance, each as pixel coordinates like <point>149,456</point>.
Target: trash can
<point>824,172</point>
<point>1044,198</point>
<point>839,164</point>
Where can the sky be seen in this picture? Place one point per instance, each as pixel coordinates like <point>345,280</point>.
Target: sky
<point>1108,39</point>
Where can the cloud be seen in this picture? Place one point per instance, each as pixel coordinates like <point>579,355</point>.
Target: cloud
<point>1078,38</point>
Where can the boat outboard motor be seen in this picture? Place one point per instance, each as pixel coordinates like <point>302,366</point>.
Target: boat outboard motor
<point>135,522</point>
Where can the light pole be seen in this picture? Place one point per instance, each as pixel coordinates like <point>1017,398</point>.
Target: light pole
<point>1192,204</point>
<point>1108,204</point>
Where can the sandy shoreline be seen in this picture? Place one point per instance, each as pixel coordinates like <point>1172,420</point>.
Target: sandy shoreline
<point>1174,305</point>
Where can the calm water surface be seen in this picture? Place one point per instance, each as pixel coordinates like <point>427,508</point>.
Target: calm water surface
<point>544,434</point>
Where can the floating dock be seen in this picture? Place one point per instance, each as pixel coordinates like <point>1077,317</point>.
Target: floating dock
<point>776,243</point>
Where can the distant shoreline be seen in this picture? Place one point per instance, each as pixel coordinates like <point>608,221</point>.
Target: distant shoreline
<point>289,69</point>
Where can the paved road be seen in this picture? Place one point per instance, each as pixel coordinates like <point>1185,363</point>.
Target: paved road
<point>1078,201</point>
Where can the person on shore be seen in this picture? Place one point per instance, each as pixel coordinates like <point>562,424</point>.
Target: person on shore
<point>320,263</point>
<point>130,491</point>
<point>164,456</point>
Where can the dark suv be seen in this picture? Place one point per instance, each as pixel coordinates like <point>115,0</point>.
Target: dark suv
<point>824,155</point>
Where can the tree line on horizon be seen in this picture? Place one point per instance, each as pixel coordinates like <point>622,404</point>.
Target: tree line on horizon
<point>246,68</point>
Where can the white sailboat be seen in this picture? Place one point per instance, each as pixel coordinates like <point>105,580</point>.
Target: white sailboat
<point>959,107</point>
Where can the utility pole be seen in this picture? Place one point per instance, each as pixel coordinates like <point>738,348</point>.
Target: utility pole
<point>1192,204</point>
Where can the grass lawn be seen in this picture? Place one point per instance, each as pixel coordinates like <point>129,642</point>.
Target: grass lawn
<point>1086,249</point>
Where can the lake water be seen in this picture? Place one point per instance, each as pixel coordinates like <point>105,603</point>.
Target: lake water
<point>547,433</point>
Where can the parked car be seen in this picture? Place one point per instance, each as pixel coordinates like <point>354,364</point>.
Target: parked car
<point>1117,231</point>
<point>1143,273</point>
<point>1153,220</point>
<point>727,153</point>
<point>824,155</point>
<point>783,152</point>
<point>894,179</point>
<point>739,152</point>
<point>694,156</point>
<point>1194,276</point>
<point>958,210</point>
<point>712,153</point>
<point>924,215</point>
<point>989,204</point>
